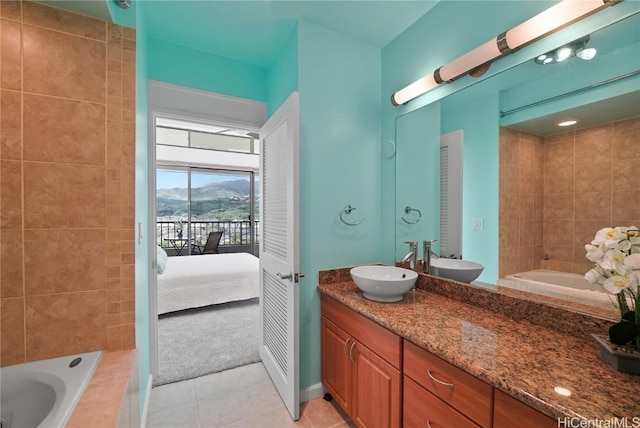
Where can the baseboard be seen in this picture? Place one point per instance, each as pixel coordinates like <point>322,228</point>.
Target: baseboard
<point>147,400</point>
<point>311,392</point>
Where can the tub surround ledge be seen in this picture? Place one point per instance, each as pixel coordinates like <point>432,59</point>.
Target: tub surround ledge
<point>527,349</point>
<point>101,402</point>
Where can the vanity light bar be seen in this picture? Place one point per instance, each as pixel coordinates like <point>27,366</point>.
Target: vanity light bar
<point>553,19</point>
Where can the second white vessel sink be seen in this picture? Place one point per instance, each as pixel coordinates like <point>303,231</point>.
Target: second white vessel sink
<point>383,283</point>
<point>458,270</point>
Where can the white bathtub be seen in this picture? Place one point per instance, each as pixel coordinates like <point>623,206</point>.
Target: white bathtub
<point>44,393</point>
<point>567,286</point>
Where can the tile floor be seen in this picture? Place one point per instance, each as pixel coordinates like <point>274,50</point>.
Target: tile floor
<point>243,397</point>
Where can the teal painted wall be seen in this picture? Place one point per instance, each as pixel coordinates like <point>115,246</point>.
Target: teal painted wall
<point>478,118</point>
<point>143,258</point>
<point>417,153</point>
<point>339,83</point>
<point>282,75</point>
<point>184,66</point>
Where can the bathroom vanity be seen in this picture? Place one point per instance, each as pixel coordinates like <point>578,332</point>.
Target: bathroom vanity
<point>435,360</point>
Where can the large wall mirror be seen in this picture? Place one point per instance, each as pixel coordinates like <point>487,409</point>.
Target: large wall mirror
<point>533,193</point>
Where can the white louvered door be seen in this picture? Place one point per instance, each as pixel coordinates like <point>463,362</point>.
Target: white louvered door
<point>451,194</point>
<point>279,289</point>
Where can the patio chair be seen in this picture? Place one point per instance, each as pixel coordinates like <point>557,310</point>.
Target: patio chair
<point>209,247</point>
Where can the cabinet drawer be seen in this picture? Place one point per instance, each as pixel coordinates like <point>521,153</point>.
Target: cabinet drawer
<point>459,389</point>
<point>423,409</point>
<point>383,342</point>
<point>509,412</point>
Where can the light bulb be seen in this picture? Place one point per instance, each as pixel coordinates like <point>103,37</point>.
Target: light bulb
<point>563,53</point>
<point>587,54</point>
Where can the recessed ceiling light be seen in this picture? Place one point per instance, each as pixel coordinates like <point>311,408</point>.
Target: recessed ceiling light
<point>587,54</point>
<point>567,122</point>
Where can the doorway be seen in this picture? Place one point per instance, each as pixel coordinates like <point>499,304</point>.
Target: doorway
<point>206,204</point>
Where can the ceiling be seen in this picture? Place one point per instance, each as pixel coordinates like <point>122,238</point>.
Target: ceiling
<point>255,31</point>
<point>609,110</point>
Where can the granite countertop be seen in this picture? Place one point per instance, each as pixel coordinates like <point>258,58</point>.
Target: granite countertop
<point>527,361</point>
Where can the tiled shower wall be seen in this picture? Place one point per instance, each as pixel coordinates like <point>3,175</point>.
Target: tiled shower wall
<point>67,139</point>
<point>590,181</point>
<point>521,198</point>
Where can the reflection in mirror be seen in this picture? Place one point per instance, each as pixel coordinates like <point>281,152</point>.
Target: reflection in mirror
<point>555,187</point>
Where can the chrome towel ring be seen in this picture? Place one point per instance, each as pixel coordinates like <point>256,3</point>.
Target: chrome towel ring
<point>347,209</point>
<point>408,210</point>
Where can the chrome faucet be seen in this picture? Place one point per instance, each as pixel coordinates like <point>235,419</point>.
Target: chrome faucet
<point>427,254</point>
<point>412,255</point>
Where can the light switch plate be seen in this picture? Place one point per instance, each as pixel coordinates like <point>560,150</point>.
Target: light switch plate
<point>477,223</point>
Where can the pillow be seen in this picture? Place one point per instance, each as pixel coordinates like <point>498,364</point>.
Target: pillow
<point>162,259</point>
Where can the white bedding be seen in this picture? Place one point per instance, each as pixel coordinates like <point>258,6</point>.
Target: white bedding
<point>195,281</point>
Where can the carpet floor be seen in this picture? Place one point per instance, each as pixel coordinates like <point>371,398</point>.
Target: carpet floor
<point>201,341</point>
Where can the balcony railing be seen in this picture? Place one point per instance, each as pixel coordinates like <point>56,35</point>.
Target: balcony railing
<point>235,232</point>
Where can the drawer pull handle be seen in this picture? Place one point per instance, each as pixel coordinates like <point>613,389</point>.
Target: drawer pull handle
<point>447,384</point>
<point>344,348</point>
<point>429,423</point>
<point>353,345</point>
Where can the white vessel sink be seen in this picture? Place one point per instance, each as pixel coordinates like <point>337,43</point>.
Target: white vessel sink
<point>458,270</point>
<point>383,283</point>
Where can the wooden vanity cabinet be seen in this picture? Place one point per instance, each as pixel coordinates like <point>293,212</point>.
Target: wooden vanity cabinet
<point>509,412</point>
<point>366,384</point>
<point>382,380</point>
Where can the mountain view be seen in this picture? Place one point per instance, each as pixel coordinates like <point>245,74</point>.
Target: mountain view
<point>227,200</point>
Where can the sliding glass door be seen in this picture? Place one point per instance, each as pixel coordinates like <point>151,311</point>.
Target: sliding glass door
<point>193,202</point>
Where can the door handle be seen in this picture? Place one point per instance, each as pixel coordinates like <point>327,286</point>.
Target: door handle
<point>288,276</point>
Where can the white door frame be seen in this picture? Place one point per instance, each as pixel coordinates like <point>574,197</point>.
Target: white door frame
<point>193,105</point>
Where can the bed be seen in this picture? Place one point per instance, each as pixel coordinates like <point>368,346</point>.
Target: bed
<point>196,281</point>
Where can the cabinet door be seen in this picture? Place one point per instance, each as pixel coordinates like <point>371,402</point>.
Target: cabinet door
<point>509,412</point>
<point>376,390</point>
<point>336,365</point>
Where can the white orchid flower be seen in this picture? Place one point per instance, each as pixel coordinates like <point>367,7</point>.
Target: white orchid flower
<point>609,236</point>
<point>617,284</point>
<point>594,254</point>
<point>632,261</point>
<point>594,276</point>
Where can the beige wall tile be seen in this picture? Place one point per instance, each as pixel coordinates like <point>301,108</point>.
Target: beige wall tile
<point>65,184</point>
<point>11,274</point>
<point>62,130</point>
<point>11,125</point>
<point>65,324</point>
<point>625,144</point>
<point>509,234</point>
<point>10,52</point>
<point>626,175</point>
<point>626,205</point>
<point>11,195</point>
<point>525,258</point>
<point>559,180</point>
<point>593,206</point>
<point>593,145</point>
<point>10,9</point>
<point>52,264</point>
<point>559,154</point>
<point>558,206</point>
<point>12,331</point>
<point>64,21</point>
<point>64,195</point>
<point>558,232</point>
<point>594,177</point>
<point>562,253</point>
<point>63,65</point>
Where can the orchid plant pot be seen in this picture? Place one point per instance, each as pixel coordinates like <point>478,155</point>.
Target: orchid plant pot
<point>618,357</point>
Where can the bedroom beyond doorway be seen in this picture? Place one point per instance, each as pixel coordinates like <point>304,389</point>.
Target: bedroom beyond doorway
<point>207,184</point>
